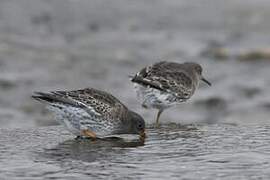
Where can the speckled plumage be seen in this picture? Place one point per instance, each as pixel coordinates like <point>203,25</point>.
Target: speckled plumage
<point>91,109</point>
<point>165,84</point>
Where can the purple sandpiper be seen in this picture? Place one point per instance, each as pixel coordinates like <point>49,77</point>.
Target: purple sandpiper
<point>165,84</point>
<point>92,113</point>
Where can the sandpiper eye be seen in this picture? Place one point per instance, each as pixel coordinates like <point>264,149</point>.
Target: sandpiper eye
<point>140,126</point>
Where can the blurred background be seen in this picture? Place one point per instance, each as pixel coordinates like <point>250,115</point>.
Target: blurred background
<point>66,44</point>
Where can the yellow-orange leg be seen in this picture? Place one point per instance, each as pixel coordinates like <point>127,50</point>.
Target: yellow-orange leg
<point>88,133</point>
<point>142,135</point>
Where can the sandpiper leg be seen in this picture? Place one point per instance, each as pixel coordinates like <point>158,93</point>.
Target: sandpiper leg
<point>158,115</point>
<point>89,133</point>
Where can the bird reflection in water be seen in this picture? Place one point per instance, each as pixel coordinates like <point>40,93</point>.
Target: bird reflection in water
<point>92,150</point>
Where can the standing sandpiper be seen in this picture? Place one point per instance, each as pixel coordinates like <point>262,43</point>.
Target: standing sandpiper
<point>165,84</point>
<point>92,113</point>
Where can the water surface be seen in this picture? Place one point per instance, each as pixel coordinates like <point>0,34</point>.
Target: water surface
<point>192,152</point>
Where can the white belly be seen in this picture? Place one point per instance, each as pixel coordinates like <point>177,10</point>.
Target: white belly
<point>77,119</point>
<point>153,98</point>
<point>62,117</point>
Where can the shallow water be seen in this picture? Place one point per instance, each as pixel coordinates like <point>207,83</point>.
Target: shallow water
<point>192,152</point>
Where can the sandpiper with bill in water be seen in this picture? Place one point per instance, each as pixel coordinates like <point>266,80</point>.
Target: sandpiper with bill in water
<point>92,113</point>
<point>165,84</point>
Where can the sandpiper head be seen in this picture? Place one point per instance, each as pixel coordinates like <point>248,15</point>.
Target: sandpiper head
<point>198,70</point>
<point>137,125</point>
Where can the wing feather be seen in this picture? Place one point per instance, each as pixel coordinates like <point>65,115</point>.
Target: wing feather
<point>167,77</point>
<point>99,101</point>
